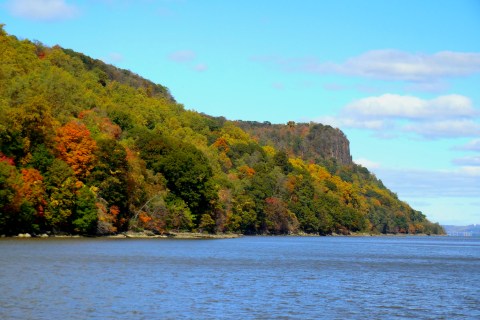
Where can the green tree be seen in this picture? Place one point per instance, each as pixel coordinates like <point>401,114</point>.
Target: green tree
<point>61,185</point>
<point>110,174</point>
<point>9,209</point>
<point>281,159</point>
<point>185,168</point>
<point>84,218</point>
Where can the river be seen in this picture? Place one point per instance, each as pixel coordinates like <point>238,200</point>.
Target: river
<point>244,278</point>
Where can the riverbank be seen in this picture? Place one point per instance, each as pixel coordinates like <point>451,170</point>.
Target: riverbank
<point>136,235</point>
<point>197,235</point>
<point>176,235</point>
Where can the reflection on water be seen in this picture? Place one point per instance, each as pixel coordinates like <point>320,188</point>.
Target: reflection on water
<point>246,278</point>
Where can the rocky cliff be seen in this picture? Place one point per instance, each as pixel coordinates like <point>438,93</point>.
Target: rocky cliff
<point>310,141</point>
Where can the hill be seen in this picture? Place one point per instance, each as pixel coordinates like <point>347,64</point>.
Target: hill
<point>472,230</point>
<point>86,148</point>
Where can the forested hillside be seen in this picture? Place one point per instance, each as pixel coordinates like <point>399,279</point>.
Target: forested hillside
<point>86,148</point>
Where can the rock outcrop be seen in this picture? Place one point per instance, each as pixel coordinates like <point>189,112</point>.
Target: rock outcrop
<point>310,141</point>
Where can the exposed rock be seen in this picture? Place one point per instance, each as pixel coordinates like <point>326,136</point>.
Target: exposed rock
<point>311,141</point>
<point>142,234</point>
<point>197,235</point>
<point>24,235</point>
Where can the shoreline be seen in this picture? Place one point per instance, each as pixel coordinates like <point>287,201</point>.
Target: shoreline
<point>199,236</point>
<point>129,235</point>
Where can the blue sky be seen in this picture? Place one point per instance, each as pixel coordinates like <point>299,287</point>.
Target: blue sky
<point>401,78</point>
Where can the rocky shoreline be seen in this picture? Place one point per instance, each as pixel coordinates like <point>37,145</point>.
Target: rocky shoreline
<point>197,235</point>
<point>137,235</point>
<point>176,235</point>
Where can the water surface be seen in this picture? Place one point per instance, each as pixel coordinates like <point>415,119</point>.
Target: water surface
<point>246,278</point>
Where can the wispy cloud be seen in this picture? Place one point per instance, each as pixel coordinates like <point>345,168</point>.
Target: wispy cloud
<point>435,191</point>
<point>113,57</point>
<point>462,182</point>
<point>201,67</point>
<point>425,72</point>
<point>182,56</point>
<point>399,65</point>
<point>470,161</point>
<point>331,86</point>
<point>473,145</point>
<point>188,57</point>
<point>442,117</point>
<point>369,164</point>
<point>445,129</point>
<point>46,10</point>
<point>410,107</point>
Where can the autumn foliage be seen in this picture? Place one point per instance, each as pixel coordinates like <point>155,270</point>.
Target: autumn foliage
<point>74,145</point>
<point>86,148</point>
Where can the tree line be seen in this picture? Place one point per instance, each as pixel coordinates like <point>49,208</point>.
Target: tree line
<point>86,148</point>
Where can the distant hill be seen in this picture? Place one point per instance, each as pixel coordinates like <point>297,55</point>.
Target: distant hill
<point>87,148</point>
<point>464,231</point>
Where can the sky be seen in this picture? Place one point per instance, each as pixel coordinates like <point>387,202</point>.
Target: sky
<point>400,78</point>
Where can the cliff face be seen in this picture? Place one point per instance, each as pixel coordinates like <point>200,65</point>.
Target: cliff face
<point>313,142</point>
<point>329,142</point>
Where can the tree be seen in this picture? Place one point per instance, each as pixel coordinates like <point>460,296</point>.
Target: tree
<point>74,145</point>
<point>84,218</point>
<point>278,218</point>
<point>61,185</point>
<point>186,169</point>
<point>33,193</point>
<point>9,206</point>
<point>110,176</point>
<point>207,223</point>
<point>281,160</point>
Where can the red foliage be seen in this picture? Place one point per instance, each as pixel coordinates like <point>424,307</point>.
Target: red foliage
<point>110,128</point>
<point>222,144</point>
<point>144,218</point>
<point>75,146</point>
<point>4,158</point>
<point>246,171</point>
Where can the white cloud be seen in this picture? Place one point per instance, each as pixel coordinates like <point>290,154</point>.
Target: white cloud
<point>182,56</point>
<point>188,57</point>
<point>445,129</point>
<point>113,57</point>
<point>349,122</point>
<point>398,106</point>
<point>462,182</point>
<point>449,116</point>
<point>369,164</point>
<point>399,65</point>
<point>430,86</point>
<point>472,171</point>
<point>424,72</point>
<point>201,67</point>
<point>359,87</point>
<point>473,145</point>
<point>42,9</point>
<point>471,161</point>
